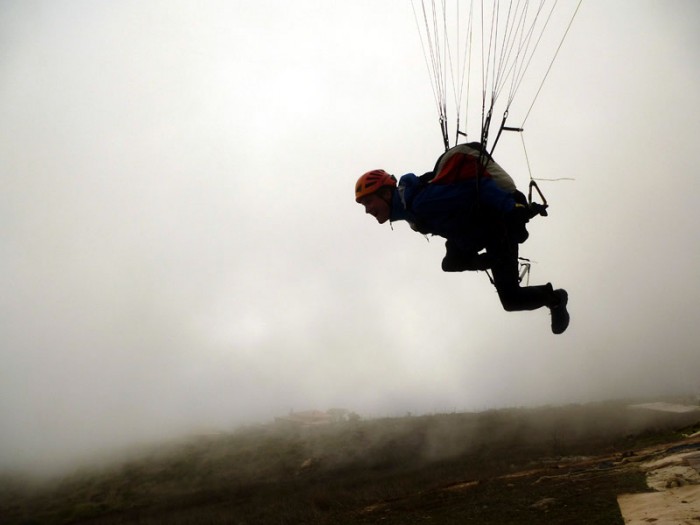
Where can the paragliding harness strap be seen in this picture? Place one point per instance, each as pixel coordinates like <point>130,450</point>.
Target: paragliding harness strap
<point>524,273</point>
<point>524,266</point>
<point>536,208</point>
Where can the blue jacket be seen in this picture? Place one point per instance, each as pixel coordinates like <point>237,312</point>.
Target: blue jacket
<point>450,210</point>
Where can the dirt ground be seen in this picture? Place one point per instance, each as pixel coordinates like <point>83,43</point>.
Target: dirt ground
<point>657,485</point>
<point>572,490</point>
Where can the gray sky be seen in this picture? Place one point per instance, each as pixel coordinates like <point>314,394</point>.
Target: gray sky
<point>181,250</point>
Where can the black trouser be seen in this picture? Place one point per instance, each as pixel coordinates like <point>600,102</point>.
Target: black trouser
<point>501,258</point>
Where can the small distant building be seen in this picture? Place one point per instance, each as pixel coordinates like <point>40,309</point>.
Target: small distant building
<point>312,418</point>
<point>308,418</point>
<point>338,415</point>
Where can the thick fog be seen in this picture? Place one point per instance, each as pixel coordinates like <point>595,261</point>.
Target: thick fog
<point>181,251</point>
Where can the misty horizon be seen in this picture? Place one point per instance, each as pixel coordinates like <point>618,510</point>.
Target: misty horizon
<point>181,249</point>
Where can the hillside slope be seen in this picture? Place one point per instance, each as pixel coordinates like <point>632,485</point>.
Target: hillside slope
<point>545,465</point>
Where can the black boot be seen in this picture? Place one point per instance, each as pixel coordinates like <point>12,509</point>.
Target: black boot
<point>560,315</point>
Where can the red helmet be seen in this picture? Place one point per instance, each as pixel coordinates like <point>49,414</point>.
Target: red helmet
<point>371,181</point>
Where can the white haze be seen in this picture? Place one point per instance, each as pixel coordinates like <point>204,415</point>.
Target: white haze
<point>181,250</point>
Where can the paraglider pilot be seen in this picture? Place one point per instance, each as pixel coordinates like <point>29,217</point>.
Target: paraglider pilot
<point>473,203</point>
